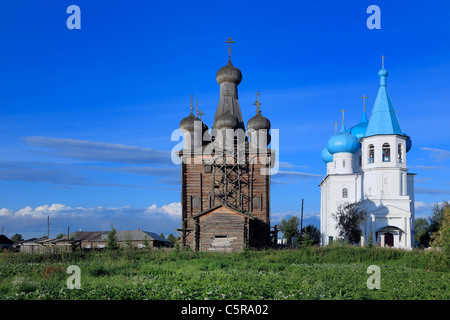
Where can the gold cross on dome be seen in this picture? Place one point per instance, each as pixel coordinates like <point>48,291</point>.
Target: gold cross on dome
<point>257,104</point>
<point>382,61</point>
<point>229,48</point>
<point>343,115</point>
<point>199,113</point>
<point>364,97</point>
<point>335,127</point>
<point>192,102</point>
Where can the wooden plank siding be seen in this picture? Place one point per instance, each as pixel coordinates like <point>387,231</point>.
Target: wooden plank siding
<point>198,183</point>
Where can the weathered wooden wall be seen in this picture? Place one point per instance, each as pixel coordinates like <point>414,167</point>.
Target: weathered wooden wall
<point>197,196</point>
<point>222,230</point>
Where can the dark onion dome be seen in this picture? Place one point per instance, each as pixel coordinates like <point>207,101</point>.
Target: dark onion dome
<point>342,142</point>
<point>204,126</point>
<point>408,144</point>
<point>229,74</point>
<point>258,122</point>
<point>226,121</point>
<point>187,124</point>
<point>326,156</point>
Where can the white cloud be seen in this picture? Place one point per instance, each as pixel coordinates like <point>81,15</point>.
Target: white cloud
<point>438,154</point>
<point>32,222</point>
<point>173,209</point>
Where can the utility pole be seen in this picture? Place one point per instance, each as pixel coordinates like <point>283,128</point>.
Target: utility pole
<point>301,222</point>
<point>48,227</point>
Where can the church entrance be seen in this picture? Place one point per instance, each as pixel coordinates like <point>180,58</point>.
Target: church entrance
<point>389,239</point>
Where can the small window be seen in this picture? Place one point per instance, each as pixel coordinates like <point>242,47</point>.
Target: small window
<point>371,154</point>
<point>386,152</point>
<point>343,163</point>
<point>195,203</point>
<point>344,193</point>
<point>360,161</point>
<point>256,202</point>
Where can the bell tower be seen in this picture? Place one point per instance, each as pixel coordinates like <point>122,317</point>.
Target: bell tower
<point>226,175</point>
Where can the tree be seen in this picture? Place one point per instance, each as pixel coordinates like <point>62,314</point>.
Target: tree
<point>442,237</point>
<point>311,235</point>
<point>437,216</point>
<point>289,228</point>
<point>59,236</point>
<point>16,238</point>
<point>172,239</point>
<point>128,241</point>
<point>162,236</point>
<point>370,239</point>
<point>349,218</point>
<point>145,242</point>
<point>112,239</point>
<point>422,235</point>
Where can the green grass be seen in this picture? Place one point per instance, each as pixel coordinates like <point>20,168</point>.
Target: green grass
<point>338,272</point>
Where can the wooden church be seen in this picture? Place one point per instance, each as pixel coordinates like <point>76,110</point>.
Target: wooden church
<point>225,172</point>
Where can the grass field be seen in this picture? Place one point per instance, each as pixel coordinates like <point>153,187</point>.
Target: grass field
<point>309,273</point>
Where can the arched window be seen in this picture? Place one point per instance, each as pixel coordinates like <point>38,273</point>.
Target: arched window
<point>386,152</point>
<point>343,163</point>
<point>360,161</point>
<point>400,156</point>
<point>344,193</point>
<point>371,153</point>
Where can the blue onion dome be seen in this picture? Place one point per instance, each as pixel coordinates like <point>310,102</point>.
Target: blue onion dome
<point>383,72</point>
<point>326,156</point>
<point>258,122</point>
<point>226,121</point>
<point>342,142</point>
<point>359,130</point>
<point>187,124</point>
<point>408,144</point>
<point>229,73</point>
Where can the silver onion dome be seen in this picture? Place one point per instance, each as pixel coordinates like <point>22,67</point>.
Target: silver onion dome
<point>226,121</point>
<point>188,124</point>
<point>229,73</point>
<point>258,122</point>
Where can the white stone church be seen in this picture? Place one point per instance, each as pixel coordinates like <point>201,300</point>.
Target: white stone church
<point>367,164</point>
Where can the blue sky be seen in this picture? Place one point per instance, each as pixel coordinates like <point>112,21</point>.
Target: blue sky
<point>86,115</point>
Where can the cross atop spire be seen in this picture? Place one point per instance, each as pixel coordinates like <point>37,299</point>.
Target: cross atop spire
<point>364,97</point>
<point>382,61</point>
<point>229,48</point>
<point>192,102</point>
<point>257,104</point>
<point>335,127</point>
<point>199,112</point>
<point>343,111</point>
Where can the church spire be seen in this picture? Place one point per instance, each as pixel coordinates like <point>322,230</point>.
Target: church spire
<point>229,77</point>
<point>383,119</point>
